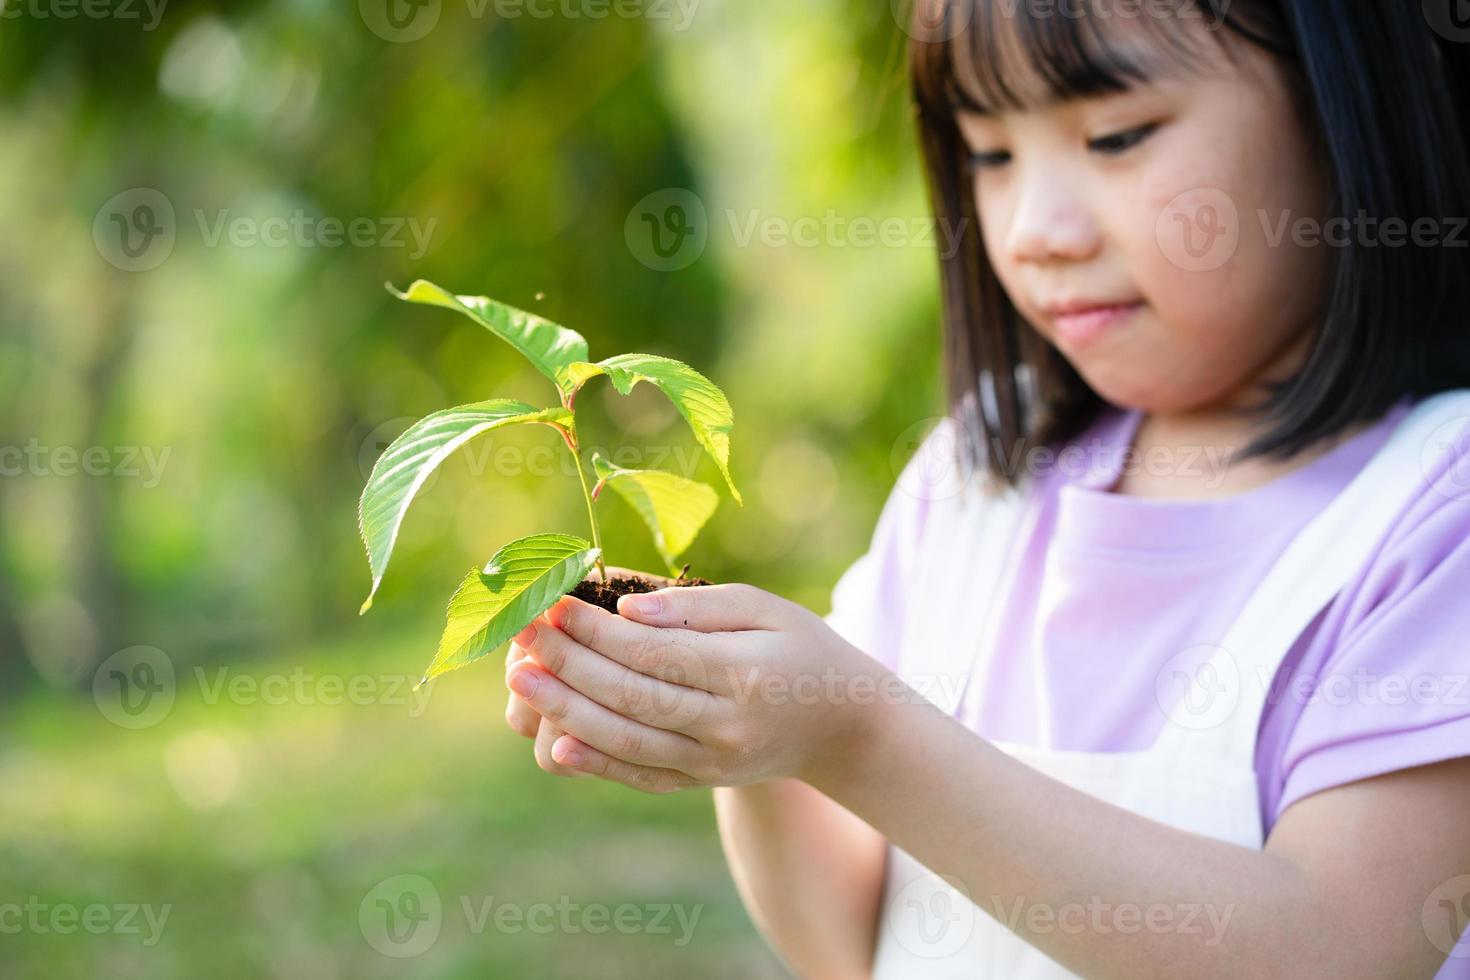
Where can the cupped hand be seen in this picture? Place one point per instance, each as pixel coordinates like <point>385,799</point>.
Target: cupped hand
<point>523,719</point>
<point>719,685</point>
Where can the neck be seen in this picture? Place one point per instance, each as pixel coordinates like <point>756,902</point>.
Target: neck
<point>1173,443</point>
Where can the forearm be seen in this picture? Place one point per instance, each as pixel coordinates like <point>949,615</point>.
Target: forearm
<point>1029,850</point>
<point>810,874</point>
<point>1354,881</point>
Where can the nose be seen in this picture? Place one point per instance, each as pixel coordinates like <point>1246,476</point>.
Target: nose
<point>1051,222</point>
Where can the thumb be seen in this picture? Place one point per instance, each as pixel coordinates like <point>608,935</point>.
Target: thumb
<point>721,608</point>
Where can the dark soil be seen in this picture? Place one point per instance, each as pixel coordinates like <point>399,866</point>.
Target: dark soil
<point>593,590</point>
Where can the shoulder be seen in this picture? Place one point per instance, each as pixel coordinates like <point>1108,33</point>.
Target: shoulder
<point>1426,552</point>
<point>1383,683</point>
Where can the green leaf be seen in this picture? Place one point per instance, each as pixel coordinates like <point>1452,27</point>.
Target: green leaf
<point>521,582</point>
<point>703,405</point>
<point>673,508</point>
<point>550,347</point>
<point>407,463</point>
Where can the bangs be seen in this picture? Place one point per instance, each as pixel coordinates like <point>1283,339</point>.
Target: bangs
<point>989,56</point>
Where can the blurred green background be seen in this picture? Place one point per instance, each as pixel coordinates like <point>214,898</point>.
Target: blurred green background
<point>199,365</point>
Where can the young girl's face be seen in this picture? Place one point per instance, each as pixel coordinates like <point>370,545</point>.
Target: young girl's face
<point>1167,196</point>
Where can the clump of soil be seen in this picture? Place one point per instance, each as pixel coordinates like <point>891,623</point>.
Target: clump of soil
<point>605,594</point>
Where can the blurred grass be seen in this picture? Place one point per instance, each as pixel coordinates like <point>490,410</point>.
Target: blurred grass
<point>264,826</point>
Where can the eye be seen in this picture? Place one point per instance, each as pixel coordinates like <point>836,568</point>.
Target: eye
<point>1115,143</point>
<point>988,159</point>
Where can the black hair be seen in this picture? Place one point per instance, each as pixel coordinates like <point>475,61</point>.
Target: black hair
<point>1379,89</point>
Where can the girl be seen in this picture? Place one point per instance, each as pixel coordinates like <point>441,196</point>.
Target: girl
<point>1167,676</point>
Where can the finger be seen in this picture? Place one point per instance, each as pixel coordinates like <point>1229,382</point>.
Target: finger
<point>588,761</point>
<point>728,607</point>
<point>524,720</point>
<point>579,715</point>
<point>520,716</point>
<point>676,656</point>
<point>546,736</point>
<point>630,693</point>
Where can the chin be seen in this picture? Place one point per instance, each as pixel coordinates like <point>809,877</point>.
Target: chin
<point>1154,394</point>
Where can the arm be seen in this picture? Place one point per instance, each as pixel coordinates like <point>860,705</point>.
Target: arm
<point>1338,891</point>
<point>810,874</point>
<point>1341,888</point>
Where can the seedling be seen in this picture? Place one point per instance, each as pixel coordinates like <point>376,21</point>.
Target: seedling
<point>526,576</point>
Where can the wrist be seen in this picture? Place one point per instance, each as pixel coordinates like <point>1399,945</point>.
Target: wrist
<point>851,728</point>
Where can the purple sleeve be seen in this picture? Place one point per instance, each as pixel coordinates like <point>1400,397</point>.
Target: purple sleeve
<point>1385,682</point>
<point>868,601</point>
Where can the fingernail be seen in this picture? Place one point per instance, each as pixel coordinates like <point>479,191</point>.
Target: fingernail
<point>645,605</point>
<point>557,615</point>
<point>523,682</point>
<point>571,757</point>
<point>526,637</point>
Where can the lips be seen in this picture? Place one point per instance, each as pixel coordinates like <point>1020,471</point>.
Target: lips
<point>1080,322</point>
<point>1068,306</point>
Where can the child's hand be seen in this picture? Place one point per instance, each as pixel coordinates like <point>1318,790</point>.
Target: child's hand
<point>722,685</point>
<point>523,719</point>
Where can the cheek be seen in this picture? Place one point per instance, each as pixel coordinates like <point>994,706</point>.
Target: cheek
<point>1200,248</point>
<point>1277,192</point>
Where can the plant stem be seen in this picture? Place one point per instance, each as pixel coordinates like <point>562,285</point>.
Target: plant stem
<point>587,496</point>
